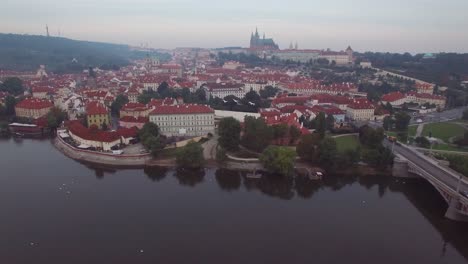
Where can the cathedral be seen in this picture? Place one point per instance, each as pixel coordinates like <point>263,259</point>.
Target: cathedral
<point>262,43</point>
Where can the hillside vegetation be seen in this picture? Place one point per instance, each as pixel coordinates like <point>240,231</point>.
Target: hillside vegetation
<point>62,55</point>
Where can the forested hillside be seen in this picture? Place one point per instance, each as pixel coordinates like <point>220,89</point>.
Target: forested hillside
<point>61,55</point>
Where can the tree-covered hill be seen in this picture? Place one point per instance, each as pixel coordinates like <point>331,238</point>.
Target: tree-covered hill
<point>27,52</point>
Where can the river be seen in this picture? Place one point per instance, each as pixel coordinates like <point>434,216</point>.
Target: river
<point>57,210</point>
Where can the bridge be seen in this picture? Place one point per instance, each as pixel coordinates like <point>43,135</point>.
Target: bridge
<point>450,184</point>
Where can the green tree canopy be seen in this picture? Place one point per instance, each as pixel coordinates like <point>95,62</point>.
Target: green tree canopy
<point>307,149</point>
<point>294,134</point>
<point>402,120</point>
<point>321,124</point>
<point>278,160</point>
<point>12,85</point>
<point>164,90</point>
<point>118,103</point>
<point>10,103</point>
<point>55,117</point>
<point>268,91</point>
<point>257,134</point>
<point>190,156</point>
<point>229,133</point>
<point>371,137</point>
<point>328,152</point>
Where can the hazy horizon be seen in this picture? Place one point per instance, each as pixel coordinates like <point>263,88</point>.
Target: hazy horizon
<point>398,26</point>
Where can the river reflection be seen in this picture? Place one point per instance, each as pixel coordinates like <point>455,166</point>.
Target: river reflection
<point>56,210</point>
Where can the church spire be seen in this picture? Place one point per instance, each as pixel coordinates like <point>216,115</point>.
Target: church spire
<point>256,33</point>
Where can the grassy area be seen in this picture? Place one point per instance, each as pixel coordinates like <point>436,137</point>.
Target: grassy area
<point>412,130</point>
<point>347,142</point>
<point>444,131</point>
<point>448,147</point>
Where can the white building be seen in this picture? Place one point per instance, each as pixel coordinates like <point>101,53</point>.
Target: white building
<point>184,120</point>
<point>360,111</point>
<point>222,90</point>
<point>303,56</point>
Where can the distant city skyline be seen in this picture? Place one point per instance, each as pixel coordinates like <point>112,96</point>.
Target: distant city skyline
<point>396,26</point>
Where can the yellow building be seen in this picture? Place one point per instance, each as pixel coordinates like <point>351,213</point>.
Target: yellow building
<point>33,108</point>
<point>97,114</point>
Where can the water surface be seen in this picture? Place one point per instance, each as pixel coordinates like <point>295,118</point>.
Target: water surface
<point>56,210</point>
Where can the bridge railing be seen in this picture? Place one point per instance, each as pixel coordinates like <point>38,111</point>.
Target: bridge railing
<point>449,171</point>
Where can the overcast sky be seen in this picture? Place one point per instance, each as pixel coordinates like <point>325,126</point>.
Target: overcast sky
<point>366,25</point>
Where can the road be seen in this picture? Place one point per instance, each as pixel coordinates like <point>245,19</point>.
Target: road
<point>447,115</point>
<point>431,168</point>
<point>209,148</point>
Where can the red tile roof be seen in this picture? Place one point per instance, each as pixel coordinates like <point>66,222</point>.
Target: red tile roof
<point>182,109</point>
<point>78,129</point>
<point>392,97</point>
<point>34,103</point>
<point>96,108</point>
<point>134,107</point>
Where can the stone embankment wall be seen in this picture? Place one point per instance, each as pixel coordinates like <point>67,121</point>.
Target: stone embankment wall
<point>99,157</point>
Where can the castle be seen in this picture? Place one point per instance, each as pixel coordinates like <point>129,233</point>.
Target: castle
<point>258,43</point>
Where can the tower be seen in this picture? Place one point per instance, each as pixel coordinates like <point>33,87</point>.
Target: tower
<point>350,52</point>
<point>296,47</point>
<point>47,30</point>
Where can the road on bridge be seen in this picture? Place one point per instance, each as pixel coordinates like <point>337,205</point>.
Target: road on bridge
<point>435,170</point>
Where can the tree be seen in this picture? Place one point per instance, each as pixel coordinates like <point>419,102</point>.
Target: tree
<point>278,160</point>
<point>144,98</point>
<point>10,103</point>
<point>349,158</point>
<point>186,95</point>
<point>388,123</point>
<point>330,122</point>
<point>307,149</point>
<point>118,103</point>
<point>190,156</point>
<point>149,129</point>
<point>402,120</point>
<point>465,115</point>
<point>221,155</point>
<point>229,133</point>
<point>378,157</point>
<point>55,117</point>
<point>294,134</point>
<point>422,142</point>
<point>257,135</point>
<point>389,107</point>
<point>12,85</point>
<point>250,98</point>
<point>151,139</point>
<point>320,124</point>
<point>52,121</point>
<point>164,90</point>
<point>371,137</point>
<point>328,152</point>
<point>268,91</point>
<point>200,96</point>
<point>279,130</point>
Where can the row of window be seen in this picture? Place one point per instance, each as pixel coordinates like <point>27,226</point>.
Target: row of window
<point>184,117</point>
<point>183,123</point>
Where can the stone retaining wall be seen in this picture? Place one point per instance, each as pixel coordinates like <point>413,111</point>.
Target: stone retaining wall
<point>99,157</point>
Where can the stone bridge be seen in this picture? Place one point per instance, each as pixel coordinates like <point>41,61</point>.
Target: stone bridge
<point>410,163</point>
